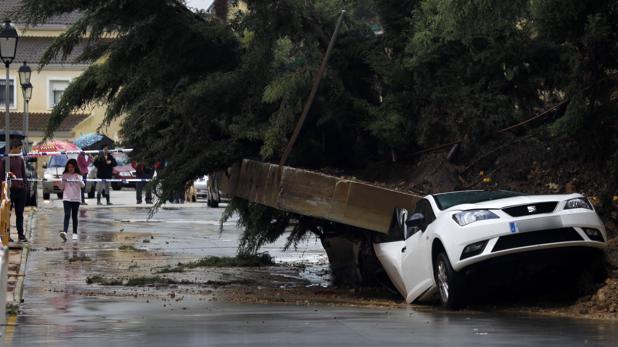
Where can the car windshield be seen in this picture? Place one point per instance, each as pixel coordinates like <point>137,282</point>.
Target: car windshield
<point>448,200</point>
<point>58,161</point>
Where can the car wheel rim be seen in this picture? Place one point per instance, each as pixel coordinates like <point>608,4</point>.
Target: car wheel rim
<point>443,281</point>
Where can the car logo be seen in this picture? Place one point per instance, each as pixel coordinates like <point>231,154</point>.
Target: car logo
<point>531,209</point>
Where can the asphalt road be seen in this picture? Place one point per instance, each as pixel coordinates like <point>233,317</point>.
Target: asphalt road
<point>61,309</point>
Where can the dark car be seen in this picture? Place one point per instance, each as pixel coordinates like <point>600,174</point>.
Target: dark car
<point>123,170</point>
<point>31,187</point>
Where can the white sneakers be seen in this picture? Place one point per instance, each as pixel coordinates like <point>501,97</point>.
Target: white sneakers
<point>63,235</point>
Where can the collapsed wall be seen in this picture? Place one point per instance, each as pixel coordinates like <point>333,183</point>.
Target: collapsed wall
<point>356,208</point>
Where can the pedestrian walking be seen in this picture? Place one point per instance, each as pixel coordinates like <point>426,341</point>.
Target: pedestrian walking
<point>71,186</point>
<point>17,185</point>
<point>104,163</point>
<point>83,161</point>
<point>143,171</point>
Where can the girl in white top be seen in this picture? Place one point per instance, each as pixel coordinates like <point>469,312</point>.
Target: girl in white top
<point>71,185</point>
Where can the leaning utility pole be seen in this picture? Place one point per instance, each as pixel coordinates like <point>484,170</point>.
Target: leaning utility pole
<point>314,90</point>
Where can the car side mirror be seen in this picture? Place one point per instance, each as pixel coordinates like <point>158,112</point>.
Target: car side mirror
<point>415,220</point>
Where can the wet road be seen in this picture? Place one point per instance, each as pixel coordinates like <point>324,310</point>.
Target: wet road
<point>60,309</point>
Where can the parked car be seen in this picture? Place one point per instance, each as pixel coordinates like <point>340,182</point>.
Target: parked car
<point>432,248</point>
<point>53,171</point>
<point>214,196</point>
<point>31,187</point>
<point>123,170</point>
<point>201,187</point>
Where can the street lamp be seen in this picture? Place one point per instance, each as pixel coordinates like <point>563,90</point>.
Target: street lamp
<point>8,49</point>
<point>26,88</point>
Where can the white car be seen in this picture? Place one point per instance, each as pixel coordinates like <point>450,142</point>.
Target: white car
<point>430,249</point>
<point>201,187</point>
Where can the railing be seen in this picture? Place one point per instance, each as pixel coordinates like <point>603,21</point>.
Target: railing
<point>5,214</point>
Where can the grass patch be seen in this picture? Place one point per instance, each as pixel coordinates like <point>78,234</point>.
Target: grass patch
<point>98,279</point>
<point>12,309</point>
<point>79,258</point>
<point>156,280</point>
<point>135,281</point>
<point>263,259</point>
<point>129,248</point>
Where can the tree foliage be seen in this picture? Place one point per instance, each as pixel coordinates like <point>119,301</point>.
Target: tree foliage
<point>201,92</point>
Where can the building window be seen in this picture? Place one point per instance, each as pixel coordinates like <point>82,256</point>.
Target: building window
<point>11,93</point>
<point>56,89</point>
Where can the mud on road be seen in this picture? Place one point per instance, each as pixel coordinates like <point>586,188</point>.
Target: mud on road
<point>164,261</point>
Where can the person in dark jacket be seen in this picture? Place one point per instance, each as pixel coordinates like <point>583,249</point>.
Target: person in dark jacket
<point>18,187</point>
<point>143,171</point>
<point>104,163</point>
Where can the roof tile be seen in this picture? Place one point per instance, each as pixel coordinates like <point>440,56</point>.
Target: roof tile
<point>38,121</point>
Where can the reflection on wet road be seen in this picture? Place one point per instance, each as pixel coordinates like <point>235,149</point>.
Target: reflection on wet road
<point>60,309</point>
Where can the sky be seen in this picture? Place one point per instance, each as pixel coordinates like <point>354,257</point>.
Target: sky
<point>199,4</point>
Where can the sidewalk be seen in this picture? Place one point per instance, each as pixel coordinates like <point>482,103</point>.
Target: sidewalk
<point>18,252</point>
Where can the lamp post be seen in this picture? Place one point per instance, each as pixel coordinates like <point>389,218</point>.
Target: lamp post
<point>26,88</point>
<point>8,48</point>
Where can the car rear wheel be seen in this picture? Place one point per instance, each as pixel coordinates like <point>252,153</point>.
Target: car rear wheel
<point>212,203</point>
<point>449,282</point>
<point>46,196</point>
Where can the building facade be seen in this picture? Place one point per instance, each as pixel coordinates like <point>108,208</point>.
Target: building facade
<point>49,83</point>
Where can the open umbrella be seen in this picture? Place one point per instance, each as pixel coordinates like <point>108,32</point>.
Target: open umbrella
<point>93,141</point>
<point>56,146</point>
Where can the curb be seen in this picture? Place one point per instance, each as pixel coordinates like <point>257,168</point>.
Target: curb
<point>19,286</point>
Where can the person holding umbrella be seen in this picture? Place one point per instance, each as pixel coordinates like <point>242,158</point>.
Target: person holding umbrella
<point>83,161</point>
<point>104,163</point>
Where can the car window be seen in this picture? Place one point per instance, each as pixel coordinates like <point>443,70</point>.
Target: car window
<point>58,161</point>
<point>395,230</point>
<point>424,207</point>
<point>121,159</point>
<point>448,200</point>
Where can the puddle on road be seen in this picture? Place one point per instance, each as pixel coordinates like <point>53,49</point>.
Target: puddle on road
<point>300,274</point>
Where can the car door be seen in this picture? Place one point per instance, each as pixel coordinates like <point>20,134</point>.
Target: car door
<point>417,274</point>
<point>388,249</point>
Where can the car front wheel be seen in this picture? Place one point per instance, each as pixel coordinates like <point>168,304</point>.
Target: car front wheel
<point>450,283</point>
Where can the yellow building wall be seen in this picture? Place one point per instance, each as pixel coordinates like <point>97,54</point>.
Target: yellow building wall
<point>92,124</point>
<point>41,99</point>
<point>40,32</point>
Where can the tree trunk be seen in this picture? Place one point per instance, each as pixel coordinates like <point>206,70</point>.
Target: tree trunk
<point>222,9</point>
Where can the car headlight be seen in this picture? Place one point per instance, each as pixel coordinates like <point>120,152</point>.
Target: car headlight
<point>125,174</point>
<point>467,217</point>
<point>577,203</point>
